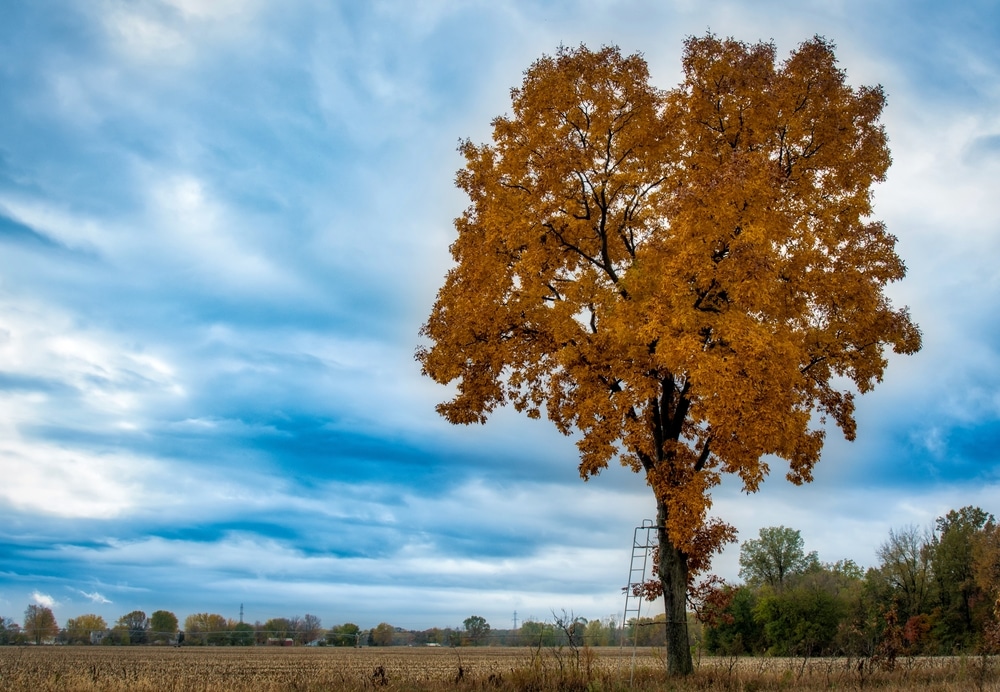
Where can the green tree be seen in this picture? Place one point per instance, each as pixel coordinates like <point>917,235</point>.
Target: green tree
<point>848,569</point>
<point>682,278</point>
<point>594,634</point>
<point>810,611</point>
<point>963,607</point>
<point>39,623</point>
<point>84,629</point>
<point>435,635</point>
<point>8,631</point>
<point>116,636</point>
<point>162,626</point>
<point>799,620</point>
<point>648,631</point>
<point>278,628</point>
<point>571,629</point>
<point>382,634</point>
<point>206,628</point>
<point>347,634</point>
<point>241,634</point>
<point>865,622</point>
<point>12,633</point>
<point>476,629</point>
<point>774,557</point>
<point>532,633</point>
<point>740,632</point>
<point>602,632</point>
<point>136,624</point>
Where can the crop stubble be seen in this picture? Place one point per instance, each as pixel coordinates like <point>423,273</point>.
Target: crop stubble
<point>266,669</point>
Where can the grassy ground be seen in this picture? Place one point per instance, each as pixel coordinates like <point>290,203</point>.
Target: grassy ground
<point>138,669</point>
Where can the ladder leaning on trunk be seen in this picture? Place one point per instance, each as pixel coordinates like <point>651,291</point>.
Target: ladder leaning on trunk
<point>644,541</point>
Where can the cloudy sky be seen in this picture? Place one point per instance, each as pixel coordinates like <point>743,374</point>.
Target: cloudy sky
<point>222,223</point>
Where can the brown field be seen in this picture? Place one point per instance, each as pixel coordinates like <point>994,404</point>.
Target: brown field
<point>271,669</point>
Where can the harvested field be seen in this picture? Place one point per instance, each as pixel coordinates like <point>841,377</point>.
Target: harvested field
<point>270,669</point>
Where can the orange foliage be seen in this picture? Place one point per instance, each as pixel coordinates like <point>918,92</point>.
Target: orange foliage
<point>687,278</point>
<point>710,600</point>
<point>916,629</point>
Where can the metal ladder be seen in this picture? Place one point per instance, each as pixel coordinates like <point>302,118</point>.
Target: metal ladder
<point>644,540</point>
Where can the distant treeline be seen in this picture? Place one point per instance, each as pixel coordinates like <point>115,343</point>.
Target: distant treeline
<point>935,590</point>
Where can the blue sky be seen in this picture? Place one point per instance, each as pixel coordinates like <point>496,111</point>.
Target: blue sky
<point>222,225</point>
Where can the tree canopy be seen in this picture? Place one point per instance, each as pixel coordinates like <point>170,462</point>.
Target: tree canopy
<point>686,278</point>
<point>775,556</point>
<point>381,635</point>
<point>344,635</point>
<point>206,628</point>
<point>40,623</point>
<point>136,624</point>
<point>163,625</point>
<point>962,603</point>
<point>82,629</point>
<point>476,629</point>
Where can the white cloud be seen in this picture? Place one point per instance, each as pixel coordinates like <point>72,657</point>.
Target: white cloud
<point>43,599</point>
<point>45,479</point>
<point>933,183</point>
<point>183,235</point>
<point>201,234</point>
<point>75,231</point>
<point>80,379</point>
<point>114,382</point>
<point>172,32</point>
<point>94,596</point>
<point>145,37</point>
<point>216,9</point>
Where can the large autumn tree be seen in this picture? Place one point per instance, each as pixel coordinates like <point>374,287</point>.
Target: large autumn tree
<point>689,279</point>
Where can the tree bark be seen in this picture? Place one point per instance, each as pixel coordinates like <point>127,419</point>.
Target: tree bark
<point>674,578</point>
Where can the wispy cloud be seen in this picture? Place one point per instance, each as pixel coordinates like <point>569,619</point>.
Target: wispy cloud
<point>93,596</point>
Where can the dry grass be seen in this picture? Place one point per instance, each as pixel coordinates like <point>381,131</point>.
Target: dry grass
<point>431,669</point>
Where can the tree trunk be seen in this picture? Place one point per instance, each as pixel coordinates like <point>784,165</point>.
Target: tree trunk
<point>673,577</point>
